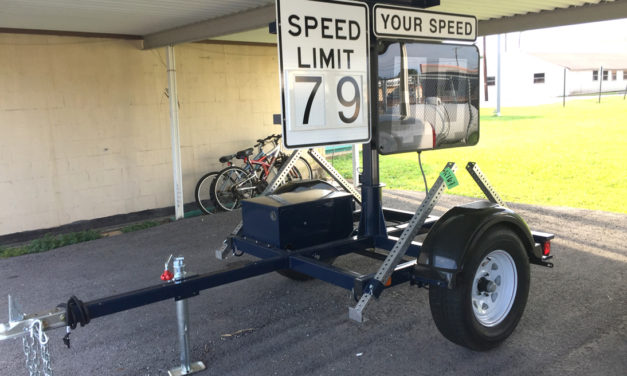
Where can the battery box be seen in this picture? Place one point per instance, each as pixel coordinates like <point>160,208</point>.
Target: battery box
<point>295,220</point>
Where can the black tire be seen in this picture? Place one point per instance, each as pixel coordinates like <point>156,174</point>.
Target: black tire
<point>300,171</point>
<point>227,190</point>
<point>305,168</point>
<point>294,175</point>
<point>202,194</point>
<point>477,327</point>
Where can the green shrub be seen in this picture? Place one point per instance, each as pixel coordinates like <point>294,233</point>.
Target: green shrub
<point>49,242</point>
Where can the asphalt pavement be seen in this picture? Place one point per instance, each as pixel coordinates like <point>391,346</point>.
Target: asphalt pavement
<point>574,323</point>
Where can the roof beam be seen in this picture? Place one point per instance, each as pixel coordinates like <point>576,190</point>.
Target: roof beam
<point>234,23</point>
<point>556,17</point>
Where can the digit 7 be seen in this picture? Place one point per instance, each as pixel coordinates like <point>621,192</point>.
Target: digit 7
<point>317,80</point>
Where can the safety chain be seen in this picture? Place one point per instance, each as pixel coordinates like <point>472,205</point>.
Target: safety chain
<point>36,351</point>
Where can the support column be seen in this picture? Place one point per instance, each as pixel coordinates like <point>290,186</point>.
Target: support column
<point>355,165</point>
<point>497,112</point>
<point>372,222</point>
<point>174,134</point>
<point>601,83</point>
<point>564,94</point>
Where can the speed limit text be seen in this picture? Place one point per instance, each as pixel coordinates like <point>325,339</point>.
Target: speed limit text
<point>325,28</point>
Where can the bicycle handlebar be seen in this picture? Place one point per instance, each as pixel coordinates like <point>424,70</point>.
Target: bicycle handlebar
<point>262,141</point>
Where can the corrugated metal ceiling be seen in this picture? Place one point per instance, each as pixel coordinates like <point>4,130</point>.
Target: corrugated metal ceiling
<point>142,17</point>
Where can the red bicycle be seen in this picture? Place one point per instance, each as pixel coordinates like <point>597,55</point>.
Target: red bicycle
<point>234,184</point>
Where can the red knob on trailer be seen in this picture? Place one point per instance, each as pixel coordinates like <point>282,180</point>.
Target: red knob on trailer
<point>167,275</point>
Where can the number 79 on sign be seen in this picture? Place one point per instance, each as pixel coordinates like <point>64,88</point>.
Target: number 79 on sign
<point>325,100</point>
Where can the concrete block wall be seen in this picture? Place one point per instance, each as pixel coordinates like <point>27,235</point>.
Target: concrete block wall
<point>85,129</point>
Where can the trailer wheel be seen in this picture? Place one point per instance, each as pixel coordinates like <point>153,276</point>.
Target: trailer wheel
<point>490,295</point>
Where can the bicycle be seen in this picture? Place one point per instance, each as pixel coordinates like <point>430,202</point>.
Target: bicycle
<point>202,193</point>
<point>233,184</point>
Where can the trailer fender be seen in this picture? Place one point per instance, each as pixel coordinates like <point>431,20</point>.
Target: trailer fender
<point>446,246</point>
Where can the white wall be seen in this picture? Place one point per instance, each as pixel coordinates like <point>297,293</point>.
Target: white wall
<point>517,83</point>
<point>85,130</point>
<point>581,82</point>
<point>517,72</point>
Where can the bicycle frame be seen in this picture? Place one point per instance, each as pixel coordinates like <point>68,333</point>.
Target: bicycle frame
<point>253,164</point>
<point>262,161</point>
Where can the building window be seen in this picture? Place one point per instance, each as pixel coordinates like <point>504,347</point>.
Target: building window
<point>613,75</point>
<point>538,78</point>
<point>605,75</point>
<point>490,81</point>
<point>595,75</point>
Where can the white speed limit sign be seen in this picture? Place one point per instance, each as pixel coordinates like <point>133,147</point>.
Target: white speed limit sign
<point>323,56</point>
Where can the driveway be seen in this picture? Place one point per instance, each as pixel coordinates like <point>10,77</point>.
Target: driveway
<point>574,323</point>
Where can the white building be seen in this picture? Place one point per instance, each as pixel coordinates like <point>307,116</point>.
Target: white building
<point>537,78</point>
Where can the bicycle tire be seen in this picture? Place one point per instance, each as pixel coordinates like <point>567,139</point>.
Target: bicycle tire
<point>305,168</point>
<point>202,193</point>
<point>300,171</point>
<point>223,192</point>
<point>294,175</point>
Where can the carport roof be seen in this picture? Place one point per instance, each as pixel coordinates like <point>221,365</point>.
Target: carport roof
<point>162,22</point>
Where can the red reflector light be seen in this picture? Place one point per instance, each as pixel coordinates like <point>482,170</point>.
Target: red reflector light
<point>546,248</point>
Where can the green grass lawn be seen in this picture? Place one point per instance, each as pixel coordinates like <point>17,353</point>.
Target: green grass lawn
<point>548,155</point>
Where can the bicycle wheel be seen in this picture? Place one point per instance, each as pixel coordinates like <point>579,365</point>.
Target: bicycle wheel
<point>203,193</point>
<point>231,186</point>
<point>293,175</point>
<point>304,167</point>
<point>300,171</point>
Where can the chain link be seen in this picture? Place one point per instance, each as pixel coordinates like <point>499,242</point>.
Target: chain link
<point>37,351</point>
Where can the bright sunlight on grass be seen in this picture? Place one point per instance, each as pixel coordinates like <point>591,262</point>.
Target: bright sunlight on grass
<point>548,155</point>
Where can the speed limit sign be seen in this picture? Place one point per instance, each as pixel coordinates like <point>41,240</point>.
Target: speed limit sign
<point>324,67</point>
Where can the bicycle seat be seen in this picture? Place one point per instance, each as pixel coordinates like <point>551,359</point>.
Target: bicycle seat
<point>244,153</point>
<point>226,158</point>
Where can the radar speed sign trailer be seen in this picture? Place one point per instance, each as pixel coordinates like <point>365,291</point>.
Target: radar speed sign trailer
<point>353,72</point>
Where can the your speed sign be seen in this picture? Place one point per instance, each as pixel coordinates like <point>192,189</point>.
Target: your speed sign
<point>323,57</point>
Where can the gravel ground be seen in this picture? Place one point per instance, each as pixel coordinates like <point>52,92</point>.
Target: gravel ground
<point>574,323</point>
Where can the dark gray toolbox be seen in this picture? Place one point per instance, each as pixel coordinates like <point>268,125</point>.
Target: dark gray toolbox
<point>296,220</point>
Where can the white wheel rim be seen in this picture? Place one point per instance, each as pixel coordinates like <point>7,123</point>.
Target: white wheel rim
<point>494,288</point>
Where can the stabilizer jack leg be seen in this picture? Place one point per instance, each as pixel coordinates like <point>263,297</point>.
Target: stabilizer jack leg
<point>182,315</point>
